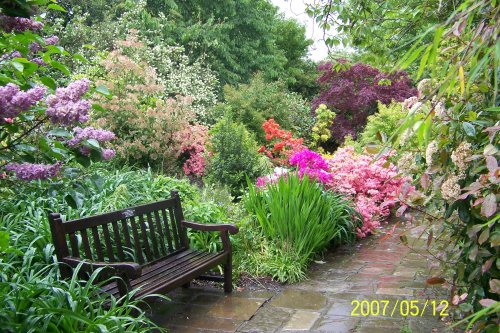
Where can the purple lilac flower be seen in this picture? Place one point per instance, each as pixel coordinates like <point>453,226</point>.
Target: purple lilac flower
<point>39,61</point>
<point>108,154</point>
<point>30,171</point>
<point>85,151</point>
<point>12,55</point>
<point>52,40</point>
<point>9,24</point>
<point>65,107</point>
<point>34,47</point>
<point>90,133</point>
<point>14,101</point>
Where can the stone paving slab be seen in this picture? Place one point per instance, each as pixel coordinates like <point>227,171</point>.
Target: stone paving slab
<point>379,268</point>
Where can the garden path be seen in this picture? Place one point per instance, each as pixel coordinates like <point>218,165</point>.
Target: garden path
<point>379,268</point>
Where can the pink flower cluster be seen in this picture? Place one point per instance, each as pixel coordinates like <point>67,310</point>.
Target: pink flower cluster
<point>312,164</point>
<point>90,133</point>
<point>66,107</point>
<point>375,186</point>
<point>30,171</point>
<point>20,24</point>
<point>270,179</point>
<point>14,101</point>
<point>192,146</point>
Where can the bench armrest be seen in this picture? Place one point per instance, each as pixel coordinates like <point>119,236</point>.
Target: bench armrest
<point>130,269</point>
<point>231,228</point>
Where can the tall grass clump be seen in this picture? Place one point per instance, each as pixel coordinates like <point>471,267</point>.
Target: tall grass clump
<point>301,219</point>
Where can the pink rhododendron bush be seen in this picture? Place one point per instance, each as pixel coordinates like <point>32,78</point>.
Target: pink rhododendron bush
<point>375,185</point>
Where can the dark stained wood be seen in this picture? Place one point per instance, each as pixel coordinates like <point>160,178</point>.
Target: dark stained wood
<point>137,242</point>
<point>109,246</point>
<point>159,239</point>
<point>97,243</point>
<point>126,233</point>
<point>153,236</point>
<point>86,245</point>
<point>74,245</point>
<point>173,225</point>
<point>167,230</point>
<point>157,219</point>
<point>145,241</point>
<point>118,241</point>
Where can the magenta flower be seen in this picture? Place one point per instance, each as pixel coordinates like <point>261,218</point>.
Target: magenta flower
<point>312,164</point>
<point>30,171</point>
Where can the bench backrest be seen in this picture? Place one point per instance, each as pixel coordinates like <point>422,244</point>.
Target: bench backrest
<point>141,234</point>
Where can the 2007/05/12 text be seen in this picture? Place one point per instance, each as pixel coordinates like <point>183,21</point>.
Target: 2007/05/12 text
<point>402,308</point>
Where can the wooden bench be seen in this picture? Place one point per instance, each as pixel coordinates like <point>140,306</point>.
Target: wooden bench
<point>145,246</point>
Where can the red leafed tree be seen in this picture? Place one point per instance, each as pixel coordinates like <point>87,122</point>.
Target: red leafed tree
<point>353,91</point>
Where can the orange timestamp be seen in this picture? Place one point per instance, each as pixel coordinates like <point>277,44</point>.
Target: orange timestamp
<point>404,308</point>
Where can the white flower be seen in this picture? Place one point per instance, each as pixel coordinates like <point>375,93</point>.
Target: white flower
<point>440,110</point>
<point>432,148</point>
<point>459,156</point>
<point>450,189</point>
<point>406,163</point>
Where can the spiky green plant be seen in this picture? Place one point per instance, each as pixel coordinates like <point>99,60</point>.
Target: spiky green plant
<point>300,216</point>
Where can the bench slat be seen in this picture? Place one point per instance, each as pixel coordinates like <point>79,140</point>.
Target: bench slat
<point>145,241</point>
<point>153,235</point>
<point>173,225</point>
<point>167,230</point>
<point>97,243</point>
<point>163,248</point>
<point>118,241</point>
<point>86,245</point>
<point>126,233</point>
<point>149,271</point>
<point>137,243</point>
<point>107,240</point>
<point>74,244</point>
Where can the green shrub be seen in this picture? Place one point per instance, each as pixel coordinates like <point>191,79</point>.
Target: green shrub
<point>386,121</point>
<point>234,156</point>
<point>254,103</point>
<point>300,219</point>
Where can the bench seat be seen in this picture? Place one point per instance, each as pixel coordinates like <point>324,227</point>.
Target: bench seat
<point>145,247</point>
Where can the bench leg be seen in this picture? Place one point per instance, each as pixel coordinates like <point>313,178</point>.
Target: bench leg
<point>186,285</point>
<point>228,277</point>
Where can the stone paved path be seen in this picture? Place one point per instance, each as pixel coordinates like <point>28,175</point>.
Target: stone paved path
<point>379,270</point>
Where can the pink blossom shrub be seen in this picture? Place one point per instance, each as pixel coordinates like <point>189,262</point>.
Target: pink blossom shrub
<point>191,142</point>
<point>375,186</point>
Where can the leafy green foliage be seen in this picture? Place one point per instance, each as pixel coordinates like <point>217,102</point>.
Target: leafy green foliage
<point>300,218</point>
<point>464,177</point>
<point>254,103</point>
<point>233,156</point>
<point>320,131</point>
<point>384,123</point>
<point>381,31</point>
<point>235,39</point>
